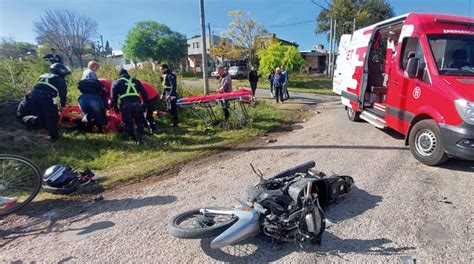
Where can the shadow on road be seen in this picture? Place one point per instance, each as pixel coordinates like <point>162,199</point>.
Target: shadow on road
<point>281,147</point>
<point>458,165</point>
<point>261,249</point>
<point>44,215</point>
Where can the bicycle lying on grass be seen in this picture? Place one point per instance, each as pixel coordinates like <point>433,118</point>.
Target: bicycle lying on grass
<point>20,182</point>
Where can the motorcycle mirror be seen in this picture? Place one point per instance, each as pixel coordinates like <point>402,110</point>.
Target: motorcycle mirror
<point>328,223</point>
<point>259,173</point>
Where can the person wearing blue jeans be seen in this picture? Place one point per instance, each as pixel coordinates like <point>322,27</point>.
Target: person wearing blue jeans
<point>93,103</point>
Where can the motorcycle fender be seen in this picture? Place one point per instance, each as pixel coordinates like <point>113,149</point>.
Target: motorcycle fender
<point>247,226</point>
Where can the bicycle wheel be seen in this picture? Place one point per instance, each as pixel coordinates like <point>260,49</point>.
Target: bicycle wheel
<point>20,182</point>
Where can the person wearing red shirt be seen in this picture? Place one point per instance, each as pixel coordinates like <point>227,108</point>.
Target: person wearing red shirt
<point>150,105</point>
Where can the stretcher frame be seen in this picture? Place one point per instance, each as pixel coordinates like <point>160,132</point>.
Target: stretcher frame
<point>209,117</point>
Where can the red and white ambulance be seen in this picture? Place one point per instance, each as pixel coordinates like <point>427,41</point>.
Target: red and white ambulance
<point>414,74</point>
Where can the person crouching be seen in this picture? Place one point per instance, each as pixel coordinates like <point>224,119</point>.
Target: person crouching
<point>128,90</point>
<point>93,103</point>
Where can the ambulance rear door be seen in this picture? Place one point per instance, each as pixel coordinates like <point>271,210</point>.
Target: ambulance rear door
<point>342,65</point>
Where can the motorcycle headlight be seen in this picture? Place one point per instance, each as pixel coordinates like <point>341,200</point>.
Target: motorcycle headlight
<point>465,110</point>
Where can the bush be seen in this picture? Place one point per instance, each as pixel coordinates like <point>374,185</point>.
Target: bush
<point>18,77</point>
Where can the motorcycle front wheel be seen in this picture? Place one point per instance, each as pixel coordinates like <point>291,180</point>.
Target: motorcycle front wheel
<point>193,224</point>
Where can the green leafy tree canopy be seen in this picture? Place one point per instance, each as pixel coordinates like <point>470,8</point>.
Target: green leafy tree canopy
<point>276,55</point>
<point>152,40</point>
<point>363,12</point>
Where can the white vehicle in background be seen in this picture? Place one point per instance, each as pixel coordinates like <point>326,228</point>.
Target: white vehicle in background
<point>238,72</point>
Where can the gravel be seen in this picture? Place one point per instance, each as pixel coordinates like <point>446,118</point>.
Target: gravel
<point>396,213</point>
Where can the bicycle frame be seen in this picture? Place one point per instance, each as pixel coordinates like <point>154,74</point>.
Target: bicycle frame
<point>248,225</point>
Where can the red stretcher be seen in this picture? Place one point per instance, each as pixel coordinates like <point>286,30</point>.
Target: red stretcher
<point>202,106</point>
<point>71,116</point>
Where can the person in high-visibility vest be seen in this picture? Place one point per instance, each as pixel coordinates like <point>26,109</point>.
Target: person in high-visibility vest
<point>126,99</point>
<point>170,92</point>
<point>43,100</point>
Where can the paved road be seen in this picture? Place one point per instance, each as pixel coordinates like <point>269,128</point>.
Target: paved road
<point>306,98</point>
<point>399,209</point>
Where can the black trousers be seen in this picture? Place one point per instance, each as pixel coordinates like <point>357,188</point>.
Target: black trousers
<point>253,86</point>
<point>279,93</point>
<point>173,110</point>
<point>47,112</point>
<point>133,111</point>
<point>150,108</point>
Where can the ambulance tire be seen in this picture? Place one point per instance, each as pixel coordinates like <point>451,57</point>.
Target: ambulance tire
<point>353,115</point>
<point>426,143</point>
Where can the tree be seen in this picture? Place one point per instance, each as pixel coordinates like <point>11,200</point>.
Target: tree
<point>108,49</point>
<point>9,48</point>
<point>247,34</point>
<point>363,12</point>
<point>277,55</point>
<point>152,40</point>
<point>67,31</point>
<point>225,50</point>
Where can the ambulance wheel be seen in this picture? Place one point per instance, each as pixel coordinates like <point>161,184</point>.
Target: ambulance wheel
<point>353,115</point>
<point>426,143</point>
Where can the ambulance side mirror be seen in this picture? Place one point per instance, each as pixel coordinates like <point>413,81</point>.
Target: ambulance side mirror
<point>412,69</point>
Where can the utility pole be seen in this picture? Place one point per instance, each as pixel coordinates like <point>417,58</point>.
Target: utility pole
<point>211,38</point>
<point>330,52</point>
<point>334,35</point>
<point>204,50</point>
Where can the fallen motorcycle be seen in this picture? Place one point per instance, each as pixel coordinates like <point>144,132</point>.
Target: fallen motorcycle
<point>287,207</point>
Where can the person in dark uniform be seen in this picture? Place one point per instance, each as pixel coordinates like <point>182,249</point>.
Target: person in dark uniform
<point>128,90</point>
<point>170,93</point>
<point>53,57</point>
<point>48,92</point>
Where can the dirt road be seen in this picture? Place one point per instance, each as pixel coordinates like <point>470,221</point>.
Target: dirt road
<point>400,209</point>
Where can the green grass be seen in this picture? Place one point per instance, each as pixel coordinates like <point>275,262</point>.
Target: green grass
<point>120,161</point>
<point>298,83</point>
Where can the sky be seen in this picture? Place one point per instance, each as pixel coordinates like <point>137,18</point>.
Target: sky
<point>288,19</point>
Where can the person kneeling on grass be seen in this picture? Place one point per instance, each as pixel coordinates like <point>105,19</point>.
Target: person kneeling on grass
<point>93,103</point>
<point>127,90</point>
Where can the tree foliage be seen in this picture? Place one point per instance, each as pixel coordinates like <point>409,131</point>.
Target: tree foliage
<point>247,34</point>
<point>277,55</point>
<point>67,31</point>
<point>364,12</point>
<point>9,48</point>
<point>225,50</point>
<point>152,40</point>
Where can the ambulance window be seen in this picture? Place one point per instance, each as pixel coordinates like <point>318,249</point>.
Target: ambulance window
<point>412,49</point>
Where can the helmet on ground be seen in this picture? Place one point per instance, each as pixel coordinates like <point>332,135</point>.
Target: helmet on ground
<point>60,179</point>
<point>59,69</point>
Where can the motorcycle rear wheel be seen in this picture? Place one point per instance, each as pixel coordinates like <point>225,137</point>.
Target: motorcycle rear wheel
<point>201,226</point>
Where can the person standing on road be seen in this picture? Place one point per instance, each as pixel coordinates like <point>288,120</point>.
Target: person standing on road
<point>53,57</point>
<point>253,80</point>
<point>90,72</point>
<point>278,82</point>
<point>170,92</point>
<point>270,79</point>
<point>286,94</point>
<point>225,86</point>
<point>128,90</point>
